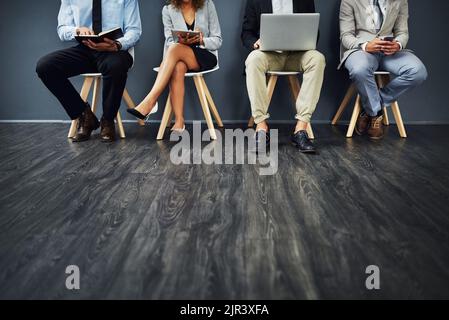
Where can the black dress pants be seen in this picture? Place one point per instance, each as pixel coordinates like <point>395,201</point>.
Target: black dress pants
<point>56,68</point>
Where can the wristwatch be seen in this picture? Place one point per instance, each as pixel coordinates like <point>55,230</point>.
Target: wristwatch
<point>119,45</point>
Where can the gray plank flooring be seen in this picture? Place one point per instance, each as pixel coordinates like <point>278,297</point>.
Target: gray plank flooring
<point>140,227</point>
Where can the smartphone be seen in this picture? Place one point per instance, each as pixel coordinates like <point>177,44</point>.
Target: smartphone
<point>391,39</point>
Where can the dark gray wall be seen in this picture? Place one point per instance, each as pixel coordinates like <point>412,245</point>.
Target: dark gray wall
<point>28,31</point>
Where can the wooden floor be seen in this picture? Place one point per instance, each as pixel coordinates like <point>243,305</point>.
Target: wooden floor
<point>139,227</point>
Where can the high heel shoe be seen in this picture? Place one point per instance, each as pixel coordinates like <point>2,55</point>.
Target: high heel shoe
<point>140,116</point>
<point>179,131</point>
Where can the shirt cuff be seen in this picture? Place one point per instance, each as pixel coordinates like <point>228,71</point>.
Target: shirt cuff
<point>400,45</point>
<point>124,43</point>
<point>363,46</point>
<point>68,33</point>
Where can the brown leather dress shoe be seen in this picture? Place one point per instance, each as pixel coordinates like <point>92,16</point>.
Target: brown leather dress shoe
<point>363,123</point>
<point>87,123</point>
<point>107,131</point>
<point>376,128</point>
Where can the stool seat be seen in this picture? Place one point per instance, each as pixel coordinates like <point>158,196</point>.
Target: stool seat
<point>283,73</point>
<point>380,73</point>
<point>194,74</point>
<point>91,75</point>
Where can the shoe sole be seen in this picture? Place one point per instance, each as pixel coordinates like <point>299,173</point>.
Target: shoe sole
<point>79,141</point>
<point>359,133</point>
<point>108,140</point>
<point>303,151</point>
<point>307,152</point>
<point>376,138</point>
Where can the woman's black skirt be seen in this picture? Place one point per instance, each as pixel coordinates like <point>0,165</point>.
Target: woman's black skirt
<point>205,58</point>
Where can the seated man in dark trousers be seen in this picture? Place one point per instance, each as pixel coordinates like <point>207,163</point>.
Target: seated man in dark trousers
<point>374,35</point>
<point>110,58</point>
<point>312,63</point>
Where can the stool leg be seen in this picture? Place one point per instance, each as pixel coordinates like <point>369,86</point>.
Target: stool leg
<point>272,80</point>
<point>349,94</point>
<point>251,122</point>
<point>355,115</point>
<point>165,119</point>
<point>97,85</point>
<point>398,118</point>
<point>212,106</point>
<point>170,118</point>
<point>204,105</point>
<point>121,129</point>
<point>84,95</point>
<point>131,105</point>
<point>295,87</point>
<point>386,119</point>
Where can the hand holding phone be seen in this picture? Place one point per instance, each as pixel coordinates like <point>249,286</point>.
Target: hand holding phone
<point>390,39</point>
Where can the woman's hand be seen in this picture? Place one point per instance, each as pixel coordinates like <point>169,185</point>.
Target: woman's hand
<point>201,37</point>
<point>188,41</point>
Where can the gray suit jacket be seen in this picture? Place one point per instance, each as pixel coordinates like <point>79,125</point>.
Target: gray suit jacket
<point>206,20</point>
<point>357,24</point>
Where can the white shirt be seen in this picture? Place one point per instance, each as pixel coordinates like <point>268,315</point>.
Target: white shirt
<point>383,7</point>
<point>376,13</point>
<point>282,6</point>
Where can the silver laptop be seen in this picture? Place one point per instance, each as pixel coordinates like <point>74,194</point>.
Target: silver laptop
<point>289,32</point>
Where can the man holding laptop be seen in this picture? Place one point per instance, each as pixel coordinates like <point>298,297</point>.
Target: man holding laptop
<point>285,41</point>
<point>82,18</point>
<point>374,35</point>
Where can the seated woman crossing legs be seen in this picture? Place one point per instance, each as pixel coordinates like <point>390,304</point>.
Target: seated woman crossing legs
<point>195,54</point>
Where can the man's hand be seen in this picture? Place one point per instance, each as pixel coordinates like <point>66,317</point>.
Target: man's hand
<point>392,48</point>
<point>387,47</point>
<point>83,31</point>
<point>107,46</point>
<point>376,45</point>
<point>257,45</point>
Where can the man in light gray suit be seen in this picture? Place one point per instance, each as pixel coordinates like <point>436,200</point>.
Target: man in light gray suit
<point>374,36</point>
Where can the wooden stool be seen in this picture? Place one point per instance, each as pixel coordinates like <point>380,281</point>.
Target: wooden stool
<point>295,88</point>
<point>95,79</point>
<point>207,103</point>
<point>382,79</point>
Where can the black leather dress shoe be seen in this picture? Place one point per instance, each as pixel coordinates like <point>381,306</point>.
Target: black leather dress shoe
<point>108,133</point>
<point>262,139</point>
<point>302,142</point>
<point>87,123</point>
